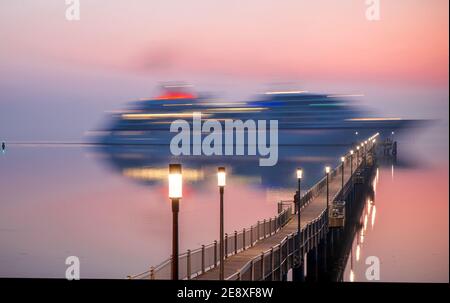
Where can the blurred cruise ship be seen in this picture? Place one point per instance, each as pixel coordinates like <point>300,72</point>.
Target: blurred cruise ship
<point>303,118</point>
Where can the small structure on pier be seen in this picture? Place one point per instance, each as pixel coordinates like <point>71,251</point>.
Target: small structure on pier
<point>389,147</point>
<point>337,214</point>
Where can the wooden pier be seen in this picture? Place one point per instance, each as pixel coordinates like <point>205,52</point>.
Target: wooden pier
<point>270,248</point>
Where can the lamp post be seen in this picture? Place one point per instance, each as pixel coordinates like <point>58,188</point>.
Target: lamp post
<point>175,194</point>
<point>327,171</point>
<point>342,172</point>
<point>221,181</point>
<point>299,179</point>
<point>351,163</point>
<point>357,156</point>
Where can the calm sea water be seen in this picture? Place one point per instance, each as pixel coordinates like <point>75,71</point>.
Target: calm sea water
<point>110,208</point>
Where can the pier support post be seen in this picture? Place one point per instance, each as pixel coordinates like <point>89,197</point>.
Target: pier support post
<point>298,273</point>
<point>311,265</point>
<point>322,260</point>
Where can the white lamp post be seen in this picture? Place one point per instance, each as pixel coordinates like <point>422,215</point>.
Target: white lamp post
<point>221,182</point>
<point>175,194</point>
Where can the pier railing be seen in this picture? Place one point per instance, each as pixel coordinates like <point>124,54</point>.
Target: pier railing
<point>275,262</point>
<point>271,264</point>
<point>195,262</point>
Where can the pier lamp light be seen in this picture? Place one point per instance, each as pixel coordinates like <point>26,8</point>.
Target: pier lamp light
<point>175,181</point>
<point>327,172</point>
<point>221,181</point>
<point>365,142</point>
<point>175,194</point>
<point>342,172</point>
<point>221,177</point>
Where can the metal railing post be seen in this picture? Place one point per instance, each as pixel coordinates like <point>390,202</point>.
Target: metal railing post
<point>264,228</point>
<point>251,236</point>
<point>152,273</point>
<point>280,257</point>
<point>203,258</point>
<point>188,264</point>
<point>235,242</point>
<point>270,226</point>
<point>288,250</point>
<point>262,266</point>
<point>252,273</point>
<point>301,243</point>
<point>226,245</point>
<point>271,264</point>
<point>243,239</point>
<point>257,231</point>
<point>215,253</point>
<point>310,244</point>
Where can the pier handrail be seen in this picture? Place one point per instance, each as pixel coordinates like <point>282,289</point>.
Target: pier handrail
<point>198,261</point>
<point>275,259</point>
<point>276,264</point>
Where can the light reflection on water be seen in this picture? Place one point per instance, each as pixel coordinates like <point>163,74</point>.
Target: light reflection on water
<point>404,225</point>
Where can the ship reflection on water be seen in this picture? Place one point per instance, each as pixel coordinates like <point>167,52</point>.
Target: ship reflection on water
<point>146,165</point>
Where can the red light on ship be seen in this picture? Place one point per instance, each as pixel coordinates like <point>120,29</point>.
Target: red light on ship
<point>172,95</point>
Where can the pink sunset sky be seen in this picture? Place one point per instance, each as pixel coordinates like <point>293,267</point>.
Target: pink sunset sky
<point>254,38</point>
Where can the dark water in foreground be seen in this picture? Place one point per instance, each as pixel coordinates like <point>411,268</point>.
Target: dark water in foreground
<point>114,214</point>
